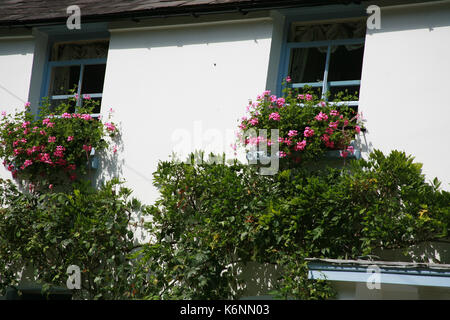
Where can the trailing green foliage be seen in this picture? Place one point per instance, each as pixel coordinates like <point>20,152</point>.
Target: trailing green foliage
<point>212,218</point>
<point>85,227</point>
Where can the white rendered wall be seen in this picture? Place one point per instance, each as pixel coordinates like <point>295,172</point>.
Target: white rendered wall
<point>16,62</point>
<point>405,86</point>
<point>180,88</point>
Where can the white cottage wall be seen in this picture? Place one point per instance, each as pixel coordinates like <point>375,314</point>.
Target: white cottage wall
<point>405,83</point>
<point>16,62</point>
<point>180,88</point>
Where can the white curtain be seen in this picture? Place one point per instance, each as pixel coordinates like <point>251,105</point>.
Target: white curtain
<point>322,32</point>
<point>79,50</point>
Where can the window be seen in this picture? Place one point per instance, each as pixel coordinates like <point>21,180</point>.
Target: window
<point>80,64</point>
<point>326,56</point>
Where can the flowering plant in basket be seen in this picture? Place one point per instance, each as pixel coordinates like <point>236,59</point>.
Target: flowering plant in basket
<point>308,125</point>
<point>53,146</point>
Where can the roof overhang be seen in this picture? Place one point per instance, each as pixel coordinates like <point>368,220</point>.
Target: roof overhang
<point>400,273</point>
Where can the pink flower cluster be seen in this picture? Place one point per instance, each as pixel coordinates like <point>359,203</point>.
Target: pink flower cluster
<point>110,126</point>
<point>308,132</point>
<point>26,156</point>
<point>274,116</point>
<point>300,145</point>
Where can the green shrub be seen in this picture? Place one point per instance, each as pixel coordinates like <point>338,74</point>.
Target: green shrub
<point>211,216</point>
<point>85,227</point>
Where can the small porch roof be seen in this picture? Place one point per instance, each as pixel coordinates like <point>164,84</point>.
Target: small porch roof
<point>402,273</point>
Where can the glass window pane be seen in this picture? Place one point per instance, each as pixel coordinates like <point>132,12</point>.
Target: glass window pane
<point>346,62</point>
<point>79,50</point>
<point>97,107</point>
<point>63,79</point>
<point>93,78</point>
<point>307,64</point>
<point>54,103</point>
<point>335,93</point>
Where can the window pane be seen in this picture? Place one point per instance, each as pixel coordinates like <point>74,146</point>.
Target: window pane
<point>93,78</point>
<point>63,79</point>
<point>97,107</point>
<point>307,64</point>
<point>352,90</point>
<point>57,102</point>
<point>346,62</point>
<point>79,50</point>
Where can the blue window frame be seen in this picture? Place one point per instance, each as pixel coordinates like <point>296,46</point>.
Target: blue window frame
<point>86,72</point>
<point>325,84</point>
<point>328,53</point>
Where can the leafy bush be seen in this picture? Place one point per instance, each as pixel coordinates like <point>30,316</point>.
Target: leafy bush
<point>85,227</point>
<point>43,150</point>
<point>202,225</point>
<point>211,216</point>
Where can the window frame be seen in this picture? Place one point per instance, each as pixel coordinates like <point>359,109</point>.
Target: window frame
<point>314,15</point>
<point>324,84</point>
<point>60,34</point>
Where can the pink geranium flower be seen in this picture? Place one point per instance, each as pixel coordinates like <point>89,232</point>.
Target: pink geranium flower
<point>308,132</point>
<point>321,116</point>
<point>254,121</point>
<point>69,138</point>
<point>292,133</point>
<point>344,154</point>
<point>357,129</point>
<point>275,116</point>
<point>334,113</point>
<point>110,126</point>
<point>300,145</point>
<point>27,163</point>
<point>282,154</point>
<point>308,97</point>
<point>51,139</point>
<point>333,124</point>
